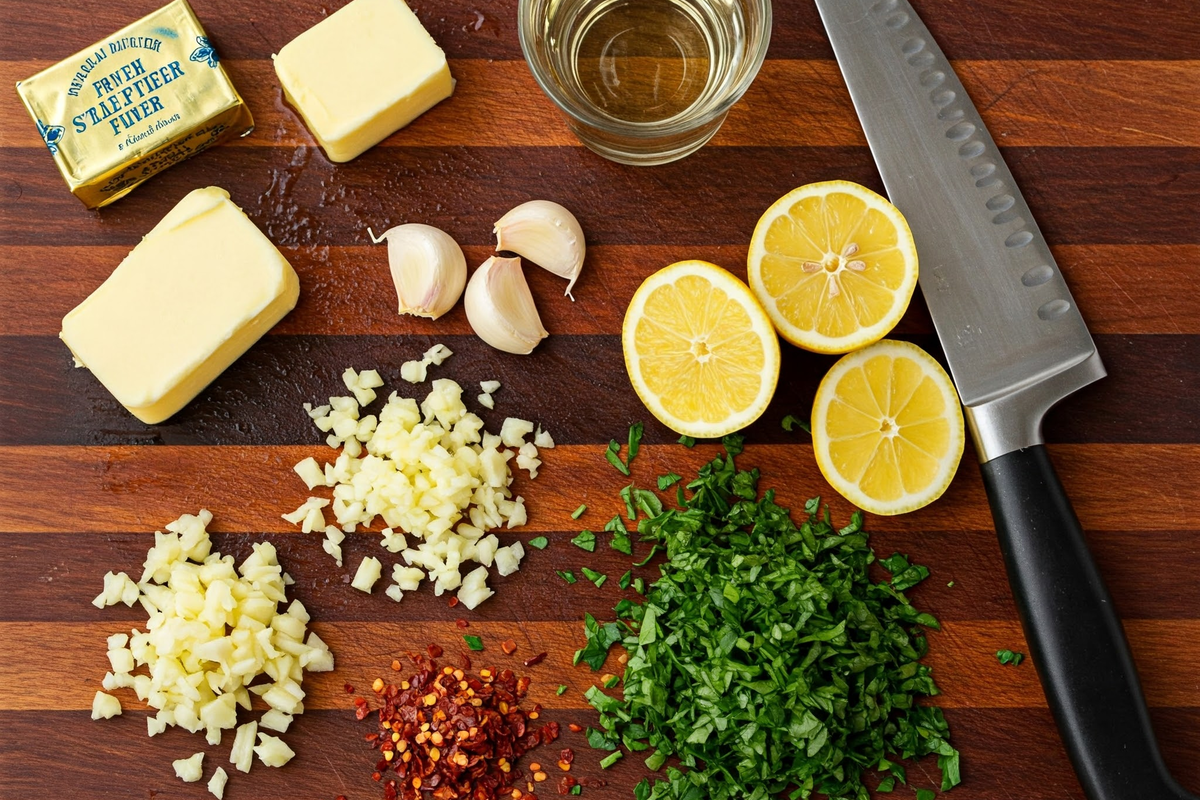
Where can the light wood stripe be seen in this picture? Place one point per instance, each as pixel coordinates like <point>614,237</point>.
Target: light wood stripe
<point>71,658</point>
<point>791,103</point>
<point>348,290</point>
<point>247,488</point>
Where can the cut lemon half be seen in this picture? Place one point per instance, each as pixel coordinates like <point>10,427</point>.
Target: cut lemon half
<point>887,428</point>
<point>700,350</point>
<point>834,265</point>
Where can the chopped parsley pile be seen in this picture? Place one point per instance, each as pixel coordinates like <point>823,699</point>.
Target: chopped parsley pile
<point>764,658</point>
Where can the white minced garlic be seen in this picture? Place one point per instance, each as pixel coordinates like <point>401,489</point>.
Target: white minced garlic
<point>418,371</point>
<point>216,784</point>
<point>433,475</point>
<point>213,629</point>
<point>189,770</point>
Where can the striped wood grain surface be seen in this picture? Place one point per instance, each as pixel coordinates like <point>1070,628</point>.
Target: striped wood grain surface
<point>1094,104</point>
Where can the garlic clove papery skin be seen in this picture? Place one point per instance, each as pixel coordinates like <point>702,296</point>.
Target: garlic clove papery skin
<point>500,307</point>
<point>547,234</point>
<point>428,268</point>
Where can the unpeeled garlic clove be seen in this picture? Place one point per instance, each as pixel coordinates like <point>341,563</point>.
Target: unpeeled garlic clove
<point>546,234</point>
<point>500,307</point>
<point>428,268</point>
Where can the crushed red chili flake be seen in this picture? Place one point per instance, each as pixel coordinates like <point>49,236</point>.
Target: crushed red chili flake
<point>567,755</point>
<point>434,651</point>
<point>574,728</point>
<point>566,784</point>
<point>462,623</point>
<point>349,689</point>
<point>508,646</point>
<point>535,660</point>
<point>453,602</point>
<point>452,735</point>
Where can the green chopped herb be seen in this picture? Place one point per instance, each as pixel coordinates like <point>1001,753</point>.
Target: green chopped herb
<point>925,794</point>
<point>950,585</point>
<point>649,556</point>
<point>621,542</point>
<point>562,689</point>
<point>577,789</point>
<point>687,441</point>
<point>791,422</point>
<point>886,785</point>
<point>614,459</point>
<point>667,481</point>
<point>599,740</point>
<point>597,578</point>
<point>566,575</point>
<point>473,642</point>
<point>625,579</point>
<point>635,441</point>
<point>630,508</point>
<point>613,758</point>
<point>599,639</point>
<point>765,636</point>
<point>1009,657</point>
<point>586,540</point>
<point>577,513</point>
<point>611,682</point>
<point>539,542</point>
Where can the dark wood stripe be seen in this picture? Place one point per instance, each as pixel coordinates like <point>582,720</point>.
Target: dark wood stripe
<point>1023,29</point>
<point>1079,195</point>
<point>117,489</point>
<point>1108,282</point>
<point>1007,753</point>
<point>791,103</point>
<point>963,657</point>
<point>258,399</point>
<point>52,577</point>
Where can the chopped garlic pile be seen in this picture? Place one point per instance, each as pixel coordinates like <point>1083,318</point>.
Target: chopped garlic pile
<point>429,471</point>
<point>213,629</point>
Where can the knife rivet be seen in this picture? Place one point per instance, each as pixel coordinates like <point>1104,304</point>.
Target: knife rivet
<point>971,149</point>
<point>1053,309</point>
<point>1037,276</point>
<point>1018,239</point>
<point>962,130</point>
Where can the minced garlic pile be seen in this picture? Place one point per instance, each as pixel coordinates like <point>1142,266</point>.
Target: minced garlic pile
<point>429,471</point>
<point>213,630</point>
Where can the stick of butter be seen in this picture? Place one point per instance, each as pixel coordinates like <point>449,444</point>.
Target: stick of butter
<point>195,294</point>
<point>361,74</point>
<point>126,108</point>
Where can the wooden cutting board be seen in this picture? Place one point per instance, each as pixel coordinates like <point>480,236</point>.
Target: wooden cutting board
<point>1095,105</point>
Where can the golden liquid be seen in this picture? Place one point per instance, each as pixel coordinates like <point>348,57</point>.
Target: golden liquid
<point>644,61</point>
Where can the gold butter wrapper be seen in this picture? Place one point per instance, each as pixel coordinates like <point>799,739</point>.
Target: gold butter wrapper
<point>123,110</point>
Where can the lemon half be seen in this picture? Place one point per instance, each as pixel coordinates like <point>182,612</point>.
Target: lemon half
<point>834,265</point>
<point>700,351</point>
<point>888,428</point>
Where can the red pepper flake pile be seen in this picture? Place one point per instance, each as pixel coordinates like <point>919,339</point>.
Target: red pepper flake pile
<point>446,734</point>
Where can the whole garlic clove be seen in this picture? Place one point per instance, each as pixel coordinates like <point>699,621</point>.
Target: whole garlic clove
<point>428,268</point>
<point>500,307</point>
<point>545,233</point>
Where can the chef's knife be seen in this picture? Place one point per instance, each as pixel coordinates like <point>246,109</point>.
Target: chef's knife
<point>1016,345</point>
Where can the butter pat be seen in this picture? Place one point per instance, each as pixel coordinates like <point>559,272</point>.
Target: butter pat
<point>195,294</point>
<point>361,74</point>
<point>128,107</point>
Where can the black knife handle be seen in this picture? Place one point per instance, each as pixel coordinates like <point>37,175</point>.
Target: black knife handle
<point>1076,641</point>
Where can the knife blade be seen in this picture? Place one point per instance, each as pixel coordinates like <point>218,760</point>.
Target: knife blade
<point>1016,345</point>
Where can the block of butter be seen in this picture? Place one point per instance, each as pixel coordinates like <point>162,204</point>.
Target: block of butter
<point>194,294</point>
<point>126,108</point>
<point>361,74</point>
